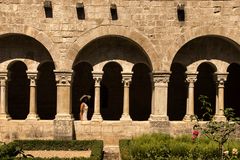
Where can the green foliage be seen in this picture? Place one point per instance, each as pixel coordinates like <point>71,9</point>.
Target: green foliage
<point>164,147</point>
<point>218,131</point>
<point>11,150</point>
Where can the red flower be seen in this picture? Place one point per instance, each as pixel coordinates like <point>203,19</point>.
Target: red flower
<point>195,134</point>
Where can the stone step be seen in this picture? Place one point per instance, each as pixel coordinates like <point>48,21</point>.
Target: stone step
<point>111,153</point>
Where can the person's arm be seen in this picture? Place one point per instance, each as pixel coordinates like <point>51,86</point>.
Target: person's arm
<point>81,111</point>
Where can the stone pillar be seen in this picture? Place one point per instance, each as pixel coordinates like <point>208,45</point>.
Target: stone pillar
<point>33,97</point>
<point>191,79</point>
<point>63,123</point>
<point>64,105</point>
<point>4,100</point>
<point>219,114</point>
<point>127,77</point>
<point>160,96</point>
<point>97,76</point>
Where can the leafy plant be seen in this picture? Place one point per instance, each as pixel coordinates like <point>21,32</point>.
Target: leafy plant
<point>218,131</point>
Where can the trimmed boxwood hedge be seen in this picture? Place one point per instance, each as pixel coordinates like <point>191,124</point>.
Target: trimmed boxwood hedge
<point>163,147</point>
<point>96,146</point>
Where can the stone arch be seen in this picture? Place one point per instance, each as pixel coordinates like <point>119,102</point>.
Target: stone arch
<point>40,36</point>
<point>216,49</point>
<point>218,65</point>
<point>121,31</point>
<point>31,65</point>
<point>126,66</point>
<point>228,34</point>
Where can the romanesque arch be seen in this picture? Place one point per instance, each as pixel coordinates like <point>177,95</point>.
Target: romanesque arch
<point>229,34</point>
<point>142,41</point>
<point>23,59</point>
<point>39,36</point>
<point>113,62</point>
<point>206,60</point>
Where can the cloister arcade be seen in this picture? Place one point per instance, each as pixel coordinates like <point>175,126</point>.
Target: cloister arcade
<point>120,77</point>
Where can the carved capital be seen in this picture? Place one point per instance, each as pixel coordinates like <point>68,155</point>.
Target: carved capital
<point>3,78</point>
<point>33,77</point>
<point>63,77</point>
<point>191,77</point>
<point>97,76</point>
<point>126,79</point>
<point>221,78</point>
<point>161,78</point>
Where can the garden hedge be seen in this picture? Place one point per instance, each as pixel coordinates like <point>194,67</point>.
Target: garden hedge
<point>96,146</point>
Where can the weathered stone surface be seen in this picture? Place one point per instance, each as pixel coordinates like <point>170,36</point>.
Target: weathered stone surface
<point>150,25</point>
<point>63,129</point>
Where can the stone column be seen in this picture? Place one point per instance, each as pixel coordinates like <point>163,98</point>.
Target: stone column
<point>191,79</point>
<point>160,96</point>
<point>4,100</point>
<point>33,97</point>
<point>97,76</point>
<point>219,114</point>
<point>63,123</point>
<point>127,77</point>
<point>64,105</point>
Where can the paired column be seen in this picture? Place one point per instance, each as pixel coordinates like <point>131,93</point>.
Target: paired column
<point>127,78</point>
<point>33,97</point>
<point>97,76</point>
<point>4,105</point>
<point>64,106</point>
<point>219,115</point>
<point>159,96</point>
<point>191,79</point>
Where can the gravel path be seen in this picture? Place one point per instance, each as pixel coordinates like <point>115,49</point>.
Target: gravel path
<point>60,154</point>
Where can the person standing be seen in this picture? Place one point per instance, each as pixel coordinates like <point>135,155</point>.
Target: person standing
<point>84,107</point>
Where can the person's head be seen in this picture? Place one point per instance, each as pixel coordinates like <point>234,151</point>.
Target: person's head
<point>85,100</point>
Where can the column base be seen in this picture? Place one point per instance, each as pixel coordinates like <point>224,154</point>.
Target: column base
<point>158,118</point>
<point>125,117</point>
<point>32,116</point>
<point>4,116</point>
<point>219,118</point>
<point>189,117</point>
<point>62,116</point>
<point>96,117</point>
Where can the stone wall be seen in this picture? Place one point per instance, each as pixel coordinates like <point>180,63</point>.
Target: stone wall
<point>25,129</point>
<point>152,24</point>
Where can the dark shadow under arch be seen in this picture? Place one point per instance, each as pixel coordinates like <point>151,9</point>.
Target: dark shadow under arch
<point>46,91</point>
<point>205,85</point>
<point>177,92</point>
<point>82,84</point>
<point>111,92</point>
<point>18,90</point>
<point>140,93</point>
<point>112,47</point>
<point>208,47</point>
<point>232,89</point>
<point>22,46</point>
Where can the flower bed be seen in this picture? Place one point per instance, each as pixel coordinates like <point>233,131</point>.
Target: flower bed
<point>159,146</point>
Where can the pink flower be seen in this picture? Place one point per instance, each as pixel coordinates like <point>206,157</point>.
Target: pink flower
<point>195,134</point>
